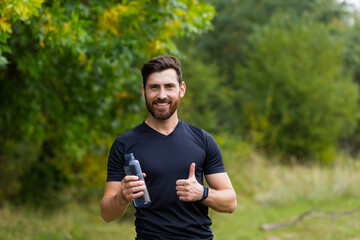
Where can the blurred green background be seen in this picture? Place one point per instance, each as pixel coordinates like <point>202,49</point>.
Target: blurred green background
<point>276,82</point>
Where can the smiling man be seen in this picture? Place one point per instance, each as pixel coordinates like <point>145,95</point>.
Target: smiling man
<point>174,156</point>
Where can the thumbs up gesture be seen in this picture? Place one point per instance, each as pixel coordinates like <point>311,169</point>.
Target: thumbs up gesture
<point>189,190</point>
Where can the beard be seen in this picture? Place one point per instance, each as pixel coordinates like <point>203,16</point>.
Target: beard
<point>162,114</point>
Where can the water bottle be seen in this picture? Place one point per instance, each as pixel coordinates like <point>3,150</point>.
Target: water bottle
<point>132,167</point>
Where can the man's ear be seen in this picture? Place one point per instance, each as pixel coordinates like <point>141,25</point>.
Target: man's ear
<point>182,89</point>
<point>143,91</point>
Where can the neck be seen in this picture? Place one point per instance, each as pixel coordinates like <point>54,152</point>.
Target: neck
<point>163,126</point>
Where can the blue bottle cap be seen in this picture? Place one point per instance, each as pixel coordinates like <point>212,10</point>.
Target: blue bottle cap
<point>129,156</point>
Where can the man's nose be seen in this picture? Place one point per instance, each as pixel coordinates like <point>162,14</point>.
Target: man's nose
<point>162,93</point>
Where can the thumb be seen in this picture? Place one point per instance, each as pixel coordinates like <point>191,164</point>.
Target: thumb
<point>192,171</point>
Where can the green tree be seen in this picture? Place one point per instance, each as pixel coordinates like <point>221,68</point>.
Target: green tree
<point>204,92</point>
<point>352,59</point>
<point>295,96</point>
<point>70,82</point>
<point>11,12</point>
<point>236,20</point>
<point>227,47</point>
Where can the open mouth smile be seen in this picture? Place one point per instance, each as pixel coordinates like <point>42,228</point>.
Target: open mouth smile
<point>161,105</point>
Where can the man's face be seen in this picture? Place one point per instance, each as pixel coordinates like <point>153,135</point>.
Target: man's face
<point>162,94</point>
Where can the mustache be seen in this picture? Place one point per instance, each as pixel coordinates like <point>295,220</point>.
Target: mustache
<point>162,101</point>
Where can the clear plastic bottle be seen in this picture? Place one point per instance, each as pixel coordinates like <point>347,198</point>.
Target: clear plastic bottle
<point>132,167</point>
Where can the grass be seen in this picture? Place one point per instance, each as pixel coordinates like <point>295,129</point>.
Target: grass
<point>74,221</point>
<point>267,193</point>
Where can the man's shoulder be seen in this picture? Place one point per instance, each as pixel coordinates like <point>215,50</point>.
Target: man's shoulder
<point>192,128</point>
<point>196,130</point>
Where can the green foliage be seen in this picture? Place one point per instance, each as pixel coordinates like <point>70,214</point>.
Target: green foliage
<point>295,96</point>
<point>71,80</point>
<point>230,45</point>
<point>352,51</point>
<point>352,60</point>
<point>203,95</point>
<point>12,11</point>
<point>236,20</point>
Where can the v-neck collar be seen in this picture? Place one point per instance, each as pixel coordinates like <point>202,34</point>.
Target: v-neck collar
<point>159,133</point>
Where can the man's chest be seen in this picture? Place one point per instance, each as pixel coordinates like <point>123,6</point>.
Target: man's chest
<point>168,159</point>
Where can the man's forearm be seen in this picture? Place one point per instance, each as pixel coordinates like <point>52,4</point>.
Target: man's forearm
<point>221,200</point>
<point>113,207</point>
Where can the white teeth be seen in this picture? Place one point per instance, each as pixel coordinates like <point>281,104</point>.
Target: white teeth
<point>162,104</point>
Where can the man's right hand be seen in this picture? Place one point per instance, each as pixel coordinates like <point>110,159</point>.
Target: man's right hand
<point>131,188</point>
<point>118,195</point>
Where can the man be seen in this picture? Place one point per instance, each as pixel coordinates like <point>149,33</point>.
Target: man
<point>174,156</point>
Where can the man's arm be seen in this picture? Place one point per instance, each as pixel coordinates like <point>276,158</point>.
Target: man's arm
<point>221,197</point>
<point>118,195</point>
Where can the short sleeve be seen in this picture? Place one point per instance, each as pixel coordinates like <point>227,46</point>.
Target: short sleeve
<point>214,161</point>
<point>115,166</point>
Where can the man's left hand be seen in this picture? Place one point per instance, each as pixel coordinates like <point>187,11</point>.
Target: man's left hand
<point>189,190</point>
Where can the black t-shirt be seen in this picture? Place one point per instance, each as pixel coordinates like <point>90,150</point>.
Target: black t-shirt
<point>165,159</point>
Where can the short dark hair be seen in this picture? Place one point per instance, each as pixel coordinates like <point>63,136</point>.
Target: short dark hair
<point>159,64</point>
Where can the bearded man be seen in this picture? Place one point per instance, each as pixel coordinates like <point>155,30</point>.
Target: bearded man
<point>174,156</point>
